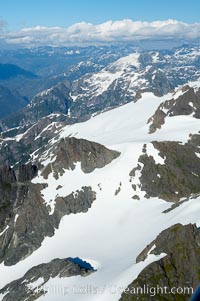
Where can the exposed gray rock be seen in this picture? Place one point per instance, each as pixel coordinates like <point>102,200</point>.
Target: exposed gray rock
<point>34,130</point>
<point>27,227</point>
<point>35,140</point>
<point>31,146</point>
<point>30,222</point>
<point>179,269</point>
<point>68,151</point>
<point>25,216</point>
<point>143,255</point>
<point>186,104</point>
<point>26,172</point>
<point>7,174</point>
<point>80,201</point>
<point>32,285</point>
<point>54,100</point>
<point>180,175</point>
<point>11,191</point>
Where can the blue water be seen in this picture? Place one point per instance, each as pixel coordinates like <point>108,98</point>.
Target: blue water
<point>81,263</point>
<point>196,296</point>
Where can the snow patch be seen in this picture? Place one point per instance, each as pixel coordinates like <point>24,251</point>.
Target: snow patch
<point>152,151</point>
<point>7,227</point>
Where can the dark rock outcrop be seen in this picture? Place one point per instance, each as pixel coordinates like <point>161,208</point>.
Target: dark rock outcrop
<point>7,174</point>
<point>186,104</point>
<point>180,175</point>
<point>16,151</point>
<point>34,284</point>
<point>68,151</point>
<point>30,222</point>
<point>80,201</point>
<point>27,172</point>
<point>180,268</point>
<point>25,218</point>
<point>11,191</point>
<point>27,227</point>
<point>9,195</point>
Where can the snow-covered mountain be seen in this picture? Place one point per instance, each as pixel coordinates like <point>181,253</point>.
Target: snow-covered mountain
<point>103,202</point>
<point>55,64</point>
<point>126,78</point>
<point>120,82</point>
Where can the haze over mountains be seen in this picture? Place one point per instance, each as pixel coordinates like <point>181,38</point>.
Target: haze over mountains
<point>100,172</point>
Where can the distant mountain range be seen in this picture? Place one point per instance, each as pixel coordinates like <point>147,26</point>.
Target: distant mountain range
<point>10,99</point>
<point>89,88</point>
<point>9,71</point>
<point>10,102</point>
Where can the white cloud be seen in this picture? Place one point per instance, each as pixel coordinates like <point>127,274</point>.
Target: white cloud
<point>110,31</point>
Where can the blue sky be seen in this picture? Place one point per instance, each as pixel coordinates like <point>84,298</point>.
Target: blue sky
<point>27,13</point>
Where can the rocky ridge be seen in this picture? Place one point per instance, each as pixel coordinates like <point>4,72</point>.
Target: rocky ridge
<point>34,283</point>
<point>186,101</point>
<point>176,175</point>
<point>25,217</point>
<point>178,269</point>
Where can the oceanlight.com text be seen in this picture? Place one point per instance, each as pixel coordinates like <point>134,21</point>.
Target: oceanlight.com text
<point>114,289</point>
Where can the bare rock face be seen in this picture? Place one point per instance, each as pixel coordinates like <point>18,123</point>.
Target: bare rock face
<point>178,177</point>
<point>16,152</point>
<point>36,141</point>
<point>11,191</point>
<point>27,172</point>
<point>180,268</point>
<point>25,218</point>
<point>80,201</point>
<point>7,175</point>
<point>69,151</point>
<point>8,195</point>
<point>32,285</point>
<point>54,100</point>
<point>26,228</point>
<point>29,220</point>
<point>186,104</point>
